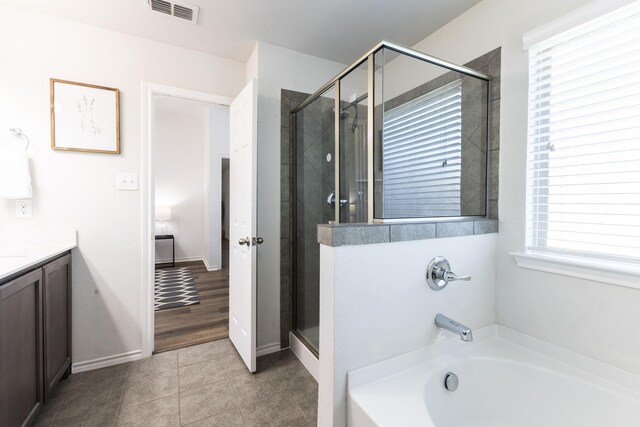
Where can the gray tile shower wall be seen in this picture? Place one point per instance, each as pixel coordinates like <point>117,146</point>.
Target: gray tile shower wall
<point>366,234</point>
<point>314,178</point>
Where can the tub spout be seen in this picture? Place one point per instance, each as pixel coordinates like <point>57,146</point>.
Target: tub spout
<point>451,325</point>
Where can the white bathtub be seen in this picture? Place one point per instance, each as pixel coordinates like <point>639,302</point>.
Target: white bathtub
<point>505,379</point>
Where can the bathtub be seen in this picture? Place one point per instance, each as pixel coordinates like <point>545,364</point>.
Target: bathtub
<point>505,379</point>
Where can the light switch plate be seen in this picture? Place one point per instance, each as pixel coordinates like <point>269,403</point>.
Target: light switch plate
<point>24,208</point>
<point>127,181</point>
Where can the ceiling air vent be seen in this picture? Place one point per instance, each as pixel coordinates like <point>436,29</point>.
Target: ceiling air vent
<point>178,9</point>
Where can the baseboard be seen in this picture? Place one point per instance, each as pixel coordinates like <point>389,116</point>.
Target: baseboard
<point>268,349</point>
<point>103,362</point>
<point>308,359</point>
<point>210,267</point>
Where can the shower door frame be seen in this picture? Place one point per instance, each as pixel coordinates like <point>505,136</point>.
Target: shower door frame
<point>368,58</point>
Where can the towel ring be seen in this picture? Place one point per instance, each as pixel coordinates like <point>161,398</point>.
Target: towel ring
<point>17,132</point>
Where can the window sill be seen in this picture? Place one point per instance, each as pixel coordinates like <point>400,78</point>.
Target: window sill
<point>612,272</point>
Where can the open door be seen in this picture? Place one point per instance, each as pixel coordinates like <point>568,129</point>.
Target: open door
<point>242,224</point>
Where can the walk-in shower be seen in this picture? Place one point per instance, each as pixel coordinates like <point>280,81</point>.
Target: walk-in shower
<point>397,136</point>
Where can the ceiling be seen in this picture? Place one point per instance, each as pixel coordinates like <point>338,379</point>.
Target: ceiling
<point>339,30</point>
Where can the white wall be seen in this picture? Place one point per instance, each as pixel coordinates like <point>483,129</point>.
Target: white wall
<point>375,304</point>
<point>225,198</point>
<point>77,190</point>
<point>217,150</point>
<point>182,132</point>
<point>278,69</point>
<point>574,313</point>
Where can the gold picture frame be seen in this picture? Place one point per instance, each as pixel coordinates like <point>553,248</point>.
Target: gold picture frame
<point>84,117</point>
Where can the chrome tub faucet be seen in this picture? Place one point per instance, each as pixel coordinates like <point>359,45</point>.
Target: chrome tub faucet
<point>451,325</point>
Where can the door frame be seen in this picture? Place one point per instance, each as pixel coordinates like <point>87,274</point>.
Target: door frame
<point>149,92</point>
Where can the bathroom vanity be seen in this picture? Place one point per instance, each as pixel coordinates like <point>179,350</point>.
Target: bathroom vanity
<point>35,327</point>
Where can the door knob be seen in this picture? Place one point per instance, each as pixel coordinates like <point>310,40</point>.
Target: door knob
<point>244,241</point>
<point>257,241</point>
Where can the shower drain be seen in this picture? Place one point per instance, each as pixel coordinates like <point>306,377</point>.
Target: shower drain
<point>450,381</point>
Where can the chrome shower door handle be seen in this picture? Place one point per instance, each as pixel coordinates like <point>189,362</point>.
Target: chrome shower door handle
<point>331,201</point>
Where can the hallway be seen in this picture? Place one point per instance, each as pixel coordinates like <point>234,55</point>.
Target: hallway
<point>195,324</point>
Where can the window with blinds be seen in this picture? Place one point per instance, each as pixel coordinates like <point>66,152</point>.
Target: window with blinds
<point>421,155</point>
<point>583,177</point>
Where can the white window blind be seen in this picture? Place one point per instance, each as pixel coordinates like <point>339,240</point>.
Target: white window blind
<point>583,178</point>
<point>421,155</point>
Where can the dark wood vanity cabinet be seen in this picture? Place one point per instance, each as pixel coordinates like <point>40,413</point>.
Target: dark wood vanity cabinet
<point>35,338</point>
<point>57,322</point>
<point>21,385</point>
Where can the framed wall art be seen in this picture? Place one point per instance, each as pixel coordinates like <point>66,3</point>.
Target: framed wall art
<point>84,117</point>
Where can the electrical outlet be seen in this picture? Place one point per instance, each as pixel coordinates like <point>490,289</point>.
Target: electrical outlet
<point>127,181</point>
<point>24,209</point>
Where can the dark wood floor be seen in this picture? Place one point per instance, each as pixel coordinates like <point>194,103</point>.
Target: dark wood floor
<point>208,321</point>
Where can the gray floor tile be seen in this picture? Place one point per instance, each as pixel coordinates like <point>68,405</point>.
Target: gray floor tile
<point>202,352</point>
<point>204,402</point>
<point>270,409</point>
<point>93,404</point>
<point>163,412</point>
<point>267,408</point>
<point>230,418</point>
<point>306,395</point>
<point>155,364</point>
<point>151,387</point>
<point>221,367</point>
<point>217,391</point>
<point>282,359</point>
<point>90,415</point>
<point>296,376</point>
<point>94,379</point>
<point>258,384</point>
<point>54,403</point>
<point>292,417</point>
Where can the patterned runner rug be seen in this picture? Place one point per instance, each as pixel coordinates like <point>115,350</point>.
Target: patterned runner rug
<point>175,287</point>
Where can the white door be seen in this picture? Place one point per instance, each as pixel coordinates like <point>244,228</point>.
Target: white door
<point>243,216</point>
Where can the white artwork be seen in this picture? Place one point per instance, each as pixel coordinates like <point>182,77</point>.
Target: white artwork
<point>84,117</point>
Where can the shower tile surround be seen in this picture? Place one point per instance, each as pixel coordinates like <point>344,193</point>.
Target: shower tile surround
<point>366,234</point>
<point>359,233</point>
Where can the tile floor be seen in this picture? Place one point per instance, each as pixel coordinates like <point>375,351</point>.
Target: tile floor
<point>203,385</point>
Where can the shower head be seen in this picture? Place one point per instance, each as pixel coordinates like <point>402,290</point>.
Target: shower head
<point>344,114</point>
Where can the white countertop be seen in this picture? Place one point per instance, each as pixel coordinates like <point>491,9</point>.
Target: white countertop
<point>20,250</point>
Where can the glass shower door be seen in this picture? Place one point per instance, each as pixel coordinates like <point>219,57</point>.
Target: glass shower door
<point>314,183</point>
<point>353,146</point>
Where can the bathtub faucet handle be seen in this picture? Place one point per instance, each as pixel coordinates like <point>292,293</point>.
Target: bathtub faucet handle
<point>450,276</point>
<point>439,274</point>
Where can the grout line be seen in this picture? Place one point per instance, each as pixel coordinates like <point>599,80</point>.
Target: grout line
<point>64,399</point>
<point>179,393</point>
<point>126,386</point>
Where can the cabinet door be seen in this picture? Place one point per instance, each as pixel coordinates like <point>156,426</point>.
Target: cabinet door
<point>57,321</point>
<point>21,392</point>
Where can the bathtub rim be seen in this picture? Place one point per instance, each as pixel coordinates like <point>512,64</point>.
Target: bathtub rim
<point>599,372</point>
